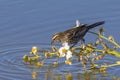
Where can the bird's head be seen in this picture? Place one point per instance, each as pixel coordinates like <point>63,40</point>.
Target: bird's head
<point>56,37</point>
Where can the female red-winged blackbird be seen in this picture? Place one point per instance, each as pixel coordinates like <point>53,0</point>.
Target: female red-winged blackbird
<point>74,35</point>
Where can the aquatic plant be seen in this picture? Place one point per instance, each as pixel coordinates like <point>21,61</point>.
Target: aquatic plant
<point>85,53</point>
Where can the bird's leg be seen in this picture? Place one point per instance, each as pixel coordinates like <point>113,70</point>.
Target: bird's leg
<point>82,41</point>
<point>73,45</point>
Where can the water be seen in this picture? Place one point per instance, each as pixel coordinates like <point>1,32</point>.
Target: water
<point>27,23</point>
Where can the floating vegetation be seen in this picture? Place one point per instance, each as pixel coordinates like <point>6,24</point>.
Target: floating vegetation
<point>85,53</point>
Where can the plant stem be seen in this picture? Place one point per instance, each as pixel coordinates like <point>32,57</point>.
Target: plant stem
<point>101,36</point>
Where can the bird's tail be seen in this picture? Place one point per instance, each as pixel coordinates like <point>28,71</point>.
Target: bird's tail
<point>95,24</point>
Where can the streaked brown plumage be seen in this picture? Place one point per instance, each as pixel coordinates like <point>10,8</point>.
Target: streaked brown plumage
<point>74,35</point>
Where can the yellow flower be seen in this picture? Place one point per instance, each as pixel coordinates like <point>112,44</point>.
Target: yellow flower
<point>62,51</point>
<point>69,62</point>
<point>34,50</point>
<point>39,64</point>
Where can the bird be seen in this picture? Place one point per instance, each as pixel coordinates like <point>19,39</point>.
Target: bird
<point>74,35</point>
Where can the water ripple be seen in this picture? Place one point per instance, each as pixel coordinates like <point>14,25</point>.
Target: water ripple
<point>25,23</point>
<point>13,67</point>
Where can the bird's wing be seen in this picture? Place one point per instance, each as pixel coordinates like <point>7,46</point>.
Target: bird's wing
<point>74,32</point>
<point>80,31</point>
<point>70,33</point>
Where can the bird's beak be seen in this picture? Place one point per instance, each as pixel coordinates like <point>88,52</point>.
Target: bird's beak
<point>52,42</point>
<point>53,38</point>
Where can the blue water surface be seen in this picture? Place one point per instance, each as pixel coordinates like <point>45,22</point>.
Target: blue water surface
<point>27,23</point>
